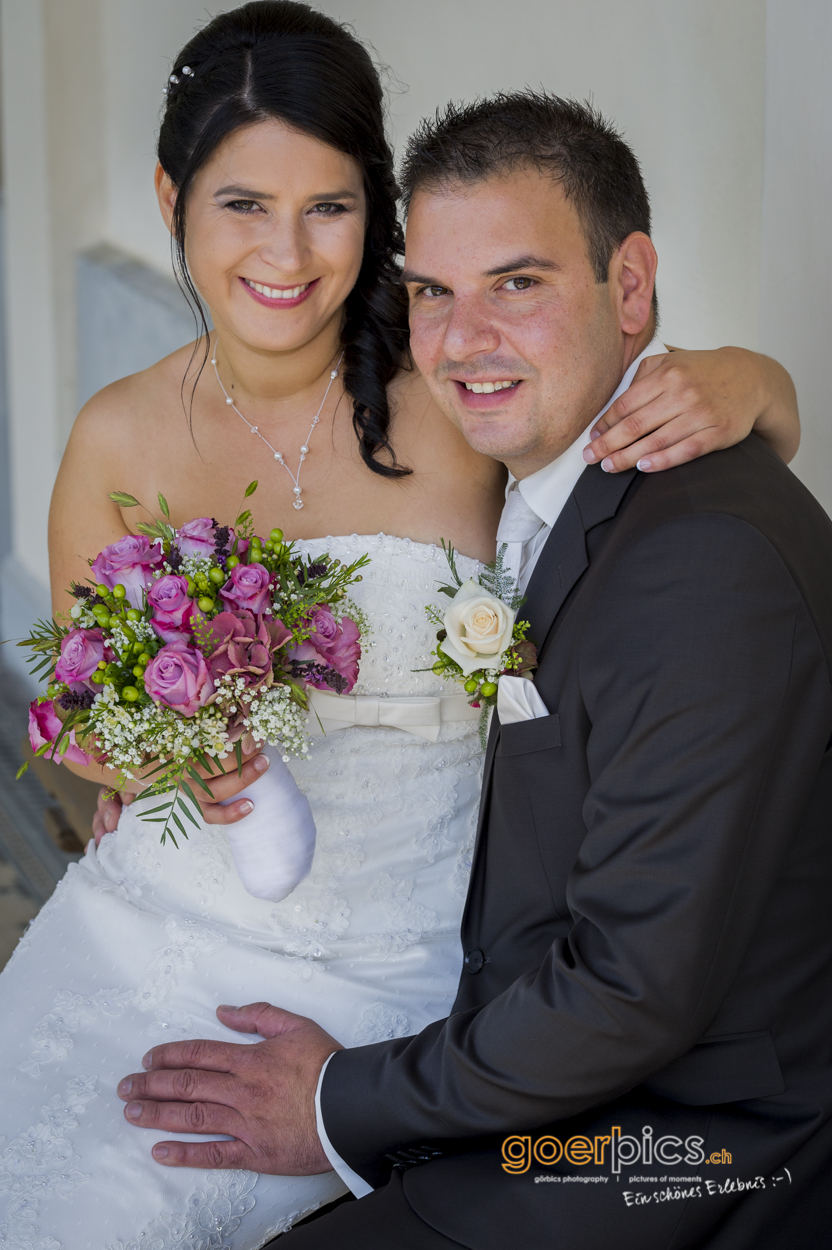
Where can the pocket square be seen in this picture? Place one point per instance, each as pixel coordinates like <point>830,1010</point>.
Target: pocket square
<point>518,699</point>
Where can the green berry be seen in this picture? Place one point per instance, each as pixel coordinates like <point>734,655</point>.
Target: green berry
<point>232,562</point>
<point>144,658</point>
<point>97,677</point>
<point>470,686</point>
<point>102,663</point>
<point>205,603</point>
<point>138,671</point>
<point>119,591</point>
<point>488,689</point>
<point>129,694</point>
<point>133,614</point>
<point>276,536</point>
<point>439,668</point>
<point>104,591</point>
<point>191,586</point>
<point>217,577</point>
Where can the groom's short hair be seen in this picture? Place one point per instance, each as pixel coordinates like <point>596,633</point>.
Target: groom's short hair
<point>572,142</point>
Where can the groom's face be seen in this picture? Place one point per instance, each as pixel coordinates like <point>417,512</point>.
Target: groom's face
<point>519,344</point>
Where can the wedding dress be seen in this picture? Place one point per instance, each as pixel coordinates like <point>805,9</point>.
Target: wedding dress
<point>140,943</point>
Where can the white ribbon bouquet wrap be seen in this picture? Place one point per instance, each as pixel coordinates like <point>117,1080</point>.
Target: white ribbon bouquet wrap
<point>273,846</point>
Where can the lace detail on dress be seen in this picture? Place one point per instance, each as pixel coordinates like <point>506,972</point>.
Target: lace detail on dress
<point>380,1024</point>
<point>41,1162</point>
<point>409,921</point>
<point>188,940</point>
<point>52,1037</point>
<point>213,1213</point>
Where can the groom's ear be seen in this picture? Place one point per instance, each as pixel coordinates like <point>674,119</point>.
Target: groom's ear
<point>632,276</point>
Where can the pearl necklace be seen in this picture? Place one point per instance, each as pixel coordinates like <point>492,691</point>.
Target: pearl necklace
<point>304,451</point>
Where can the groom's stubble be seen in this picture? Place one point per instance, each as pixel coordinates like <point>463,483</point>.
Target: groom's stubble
<point>502,289</point>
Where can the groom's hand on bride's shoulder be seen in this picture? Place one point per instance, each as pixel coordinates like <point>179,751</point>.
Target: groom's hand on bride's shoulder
<point>261,1095</point>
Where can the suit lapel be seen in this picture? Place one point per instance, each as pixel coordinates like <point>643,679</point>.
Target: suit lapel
<point>563,560</point>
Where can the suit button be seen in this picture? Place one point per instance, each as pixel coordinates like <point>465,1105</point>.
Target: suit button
<point>474,960</point>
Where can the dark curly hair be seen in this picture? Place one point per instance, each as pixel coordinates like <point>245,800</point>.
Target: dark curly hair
<point>283,60</point>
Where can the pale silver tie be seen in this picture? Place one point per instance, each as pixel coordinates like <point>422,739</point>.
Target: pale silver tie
<point>518,525</point>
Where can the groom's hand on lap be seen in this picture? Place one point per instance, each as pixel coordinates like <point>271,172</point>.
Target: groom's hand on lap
<point>261,1095</point>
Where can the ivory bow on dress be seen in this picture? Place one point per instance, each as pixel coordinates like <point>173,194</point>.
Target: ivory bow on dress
<point>420,715</point>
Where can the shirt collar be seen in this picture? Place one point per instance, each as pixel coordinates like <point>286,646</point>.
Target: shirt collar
<point>547,490</point>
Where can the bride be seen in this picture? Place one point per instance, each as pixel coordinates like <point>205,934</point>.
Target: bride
<point>277,184</point>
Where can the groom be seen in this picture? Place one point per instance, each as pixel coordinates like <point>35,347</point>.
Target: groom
<point>640,1053</point>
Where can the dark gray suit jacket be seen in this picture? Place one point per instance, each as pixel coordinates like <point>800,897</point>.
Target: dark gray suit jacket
<point>648,933</point>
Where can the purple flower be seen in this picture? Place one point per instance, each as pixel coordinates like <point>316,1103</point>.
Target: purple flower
<point>247,588</point>
<point>44,726</point>
<point>178,677</point>
<point>81,652</point>
<point>128,562</point>
<point>332,645</point>
<point>243,645</point>
<point>197,538</point>
<point>173,611</point>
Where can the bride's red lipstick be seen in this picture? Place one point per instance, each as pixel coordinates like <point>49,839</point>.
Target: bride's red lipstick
<point>280,303</point>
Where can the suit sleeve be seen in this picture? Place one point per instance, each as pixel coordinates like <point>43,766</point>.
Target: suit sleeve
<point>708,697</point>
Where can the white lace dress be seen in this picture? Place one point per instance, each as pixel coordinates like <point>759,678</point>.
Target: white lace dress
<point>140,943</point>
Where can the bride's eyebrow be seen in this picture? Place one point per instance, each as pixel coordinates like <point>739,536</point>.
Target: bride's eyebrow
<point>248,194</point>
<point>245,192</point>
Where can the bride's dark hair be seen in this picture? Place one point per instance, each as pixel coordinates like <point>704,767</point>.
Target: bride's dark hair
<point>278,59</point>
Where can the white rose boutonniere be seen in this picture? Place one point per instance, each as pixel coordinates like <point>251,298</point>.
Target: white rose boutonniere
<point>479,637</point>
<point>479,629</point>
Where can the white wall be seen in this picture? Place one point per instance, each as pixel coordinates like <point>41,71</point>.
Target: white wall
<point>796,288</point>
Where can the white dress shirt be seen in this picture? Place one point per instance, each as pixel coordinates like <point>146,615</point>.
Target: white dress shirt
<point>544,494</point>
<point>546,491</point>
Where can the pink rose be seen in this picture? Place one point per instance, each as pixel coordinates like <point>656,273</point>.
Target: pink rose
<point>243,645</point>
<point>44,726</point>
<point>178,677</point>
<point>331,646</point>
<point>81,652</point>
<point>173,611</point>
<point>128,562</point>
<point>197,538</point>
<point>247,588</point>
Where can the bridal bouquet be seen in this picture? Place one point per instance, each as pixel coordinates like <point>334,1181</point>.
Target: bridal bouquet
<point>479,638</point>
<point>189,646</point>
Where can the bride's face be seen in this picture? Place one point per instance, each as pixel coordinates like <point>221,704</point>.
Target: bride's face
<point>274,235</point>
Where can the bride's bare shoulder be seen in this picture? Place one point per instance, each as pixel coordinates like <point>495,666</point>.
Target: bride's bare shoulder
<point>128,413</point>
<point>423,436</point>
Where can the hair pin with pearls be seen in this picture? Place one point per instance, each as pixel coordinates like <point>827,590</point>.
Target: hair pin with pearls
<point>186,70</point>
